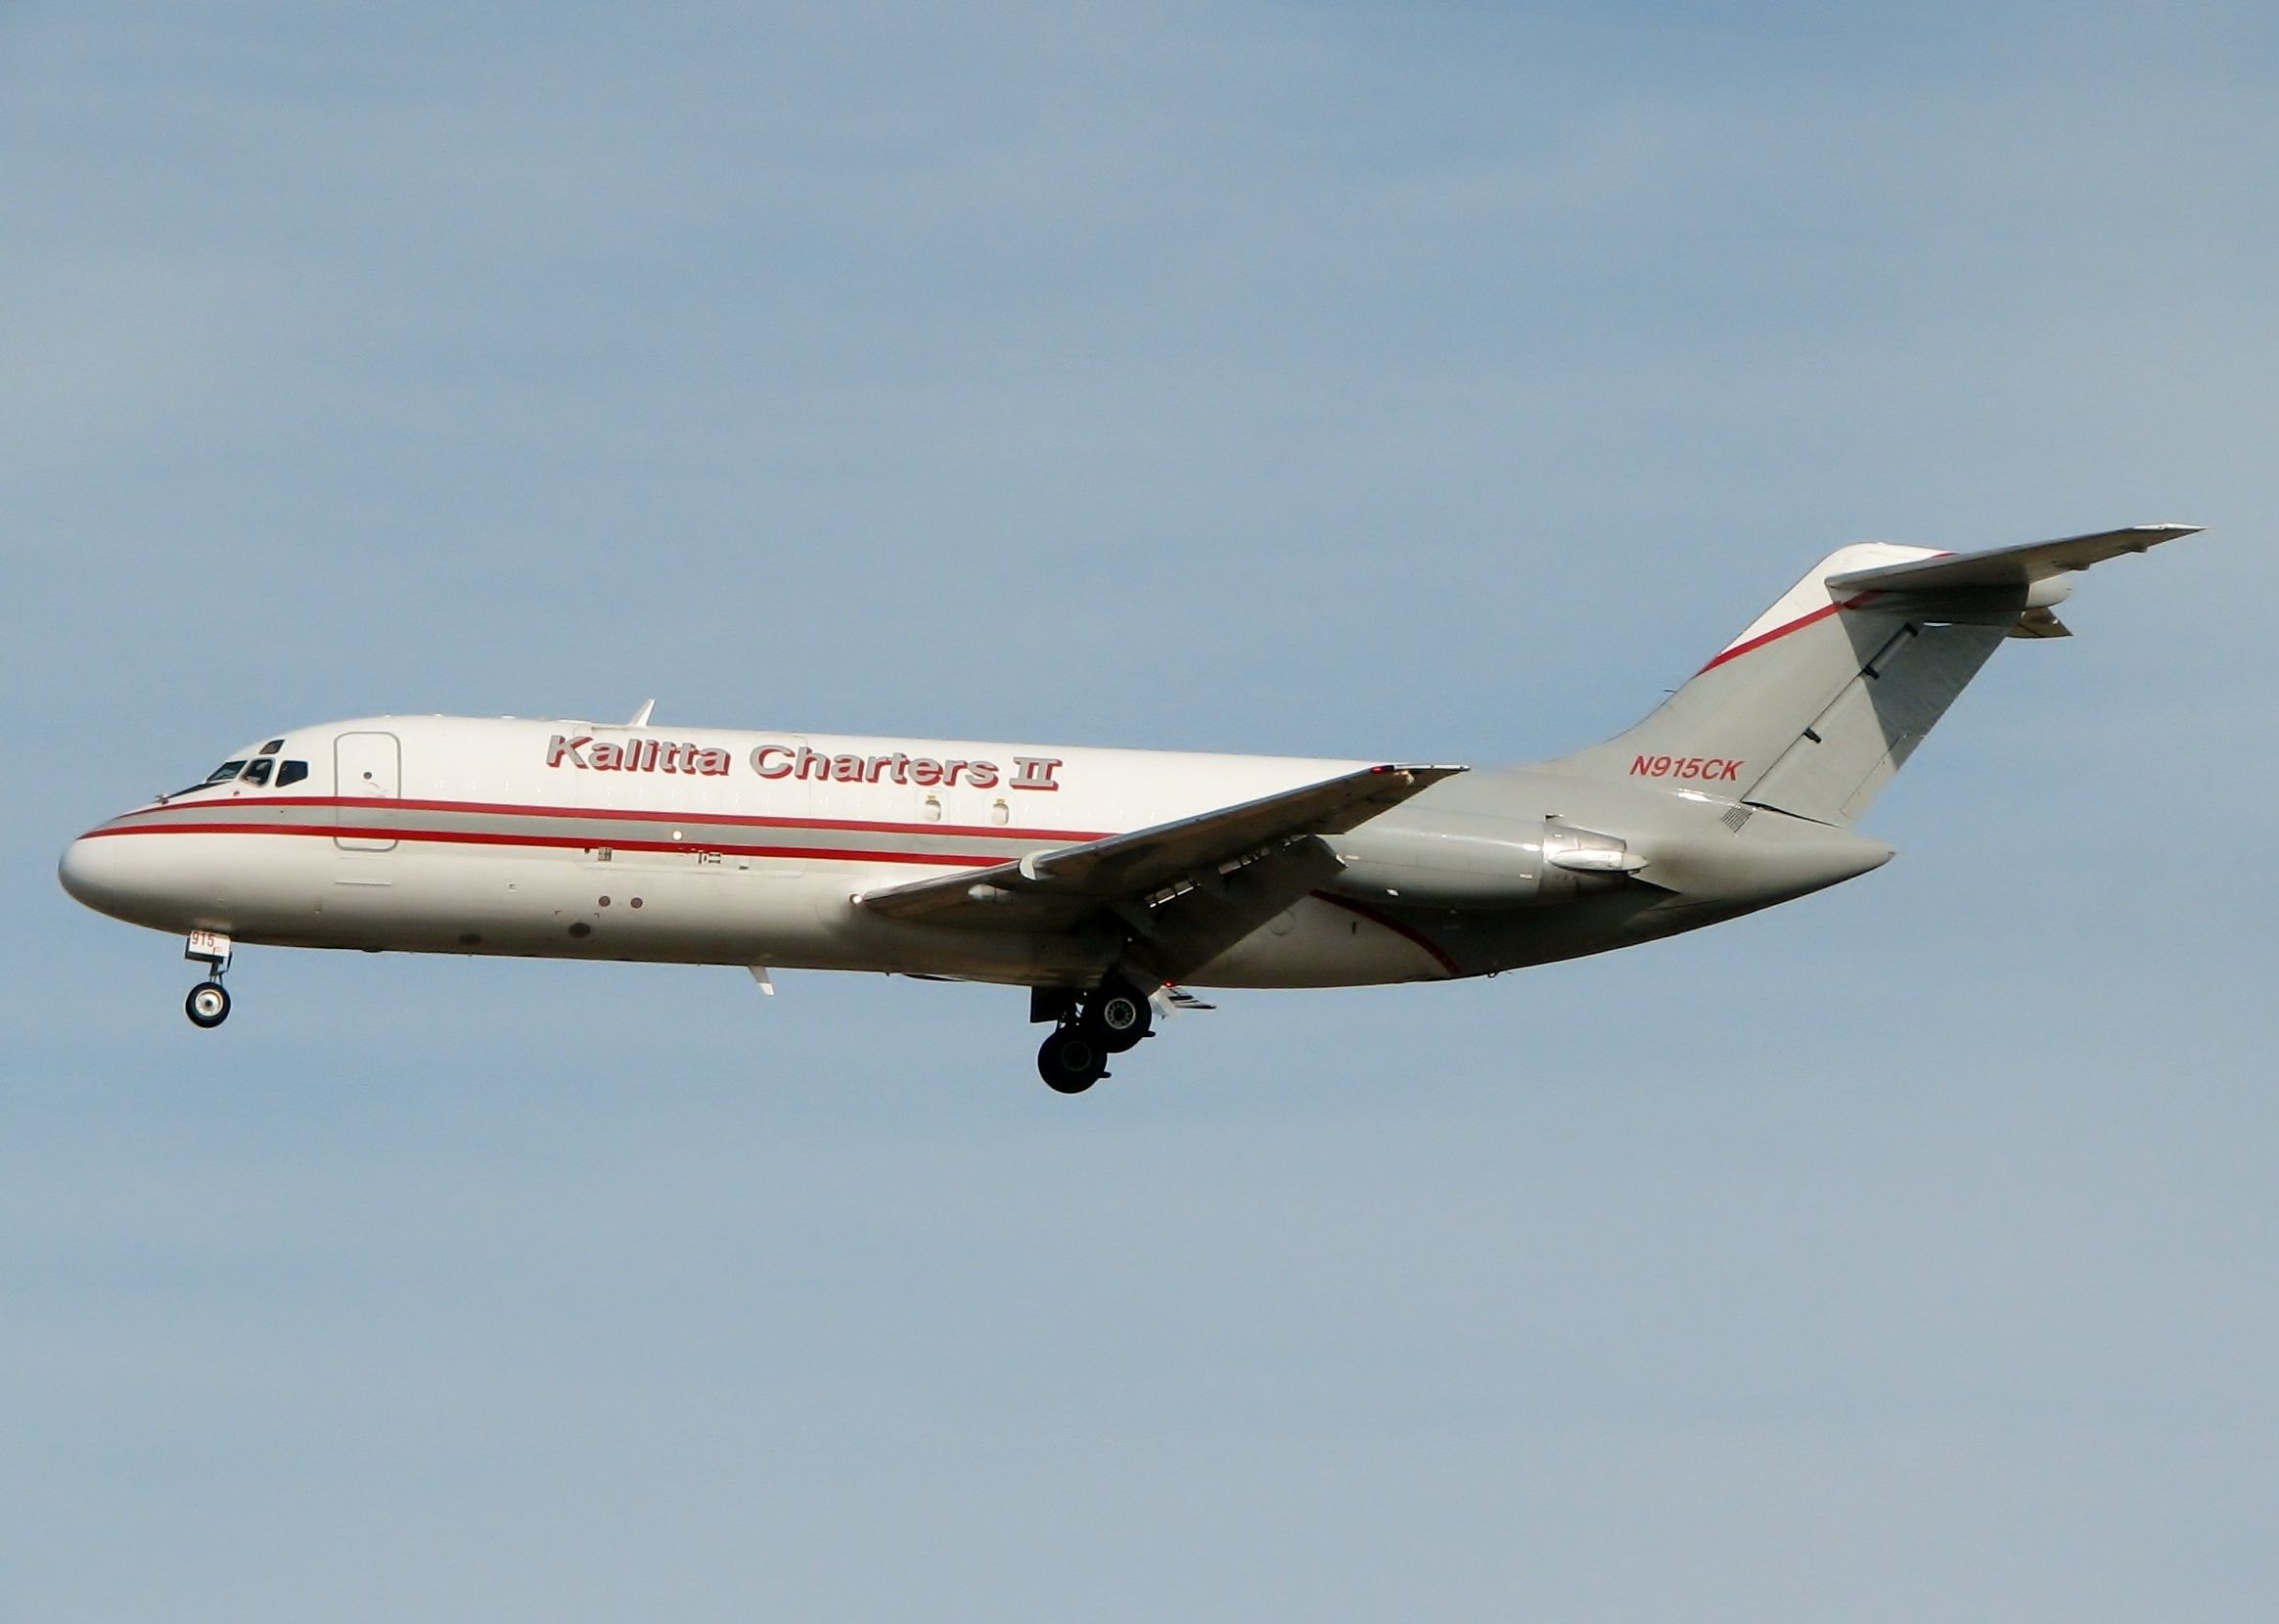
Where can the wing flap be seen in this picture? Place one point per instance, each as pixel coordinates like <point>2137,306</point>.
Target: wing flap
<point>1052,890</point>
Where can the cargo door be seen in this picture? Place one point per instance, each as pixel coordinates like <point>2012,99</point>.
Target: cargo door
<point>367,767</point>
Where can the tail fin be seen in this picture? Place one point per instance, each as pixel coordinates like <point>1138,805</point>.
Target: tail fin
<point>1813,707</point>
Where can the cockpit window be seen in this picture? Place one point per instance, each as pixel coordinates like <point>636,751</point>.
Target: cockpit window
<point>271,748</point>
<point>220,775</point>
<point>290,772</point>
<point>257,770</point>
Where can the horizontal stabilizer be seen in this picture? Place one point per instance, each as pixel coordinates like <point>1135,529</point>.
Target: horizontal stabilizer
<point>2007,566</point>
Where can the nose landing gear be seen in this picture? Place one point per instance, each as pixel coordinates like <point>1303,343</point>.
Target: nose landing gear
<point>1110,1021</point>
<point>209,1003</point>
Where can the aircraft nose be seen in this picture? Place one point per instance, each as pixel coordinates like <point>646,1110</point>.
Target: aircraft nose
<point>94,871</point>
<point>143,881</point>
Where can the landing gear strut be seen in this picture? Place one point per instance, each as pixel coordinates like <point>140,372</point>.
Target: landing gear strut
<point>209,1003</point>
<point>1109,1021</point>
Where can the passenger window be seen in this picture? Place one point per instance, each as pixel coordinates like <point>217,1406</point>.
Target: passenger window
<point>257,770</point>
<point>290,772</point>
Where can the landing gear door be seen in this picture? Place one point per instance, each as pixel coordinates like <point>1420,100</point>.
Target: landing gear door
<point>366,767</point>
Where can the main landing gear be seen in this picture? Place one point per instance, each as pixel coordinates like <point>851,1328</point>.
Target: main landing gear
<point>209,1003</point>
<point>1107,1022</point>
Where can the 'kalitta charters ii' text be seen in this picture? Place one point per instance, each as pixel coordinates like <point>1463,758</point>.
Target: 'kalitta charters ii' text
<point>799,761</point>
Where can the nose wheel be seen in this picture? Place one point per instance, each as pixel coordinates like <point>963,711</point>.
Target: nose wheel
<point>209,1005</point>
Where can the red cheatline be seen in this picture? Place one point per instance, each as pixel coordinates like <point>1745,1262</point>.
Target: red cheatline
<point>476,838</point>
<point>1396,927</point>
<point>510,809</point>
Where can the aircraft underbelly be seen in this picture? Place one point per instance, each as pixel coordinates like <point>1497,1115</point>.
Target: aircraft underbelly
<point>1320,942</point>
<point>431,898</point>
<point>296,891</point>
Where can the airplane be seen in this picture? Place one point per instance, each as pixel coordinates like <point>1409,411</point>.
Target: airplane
<point>1110,882</point>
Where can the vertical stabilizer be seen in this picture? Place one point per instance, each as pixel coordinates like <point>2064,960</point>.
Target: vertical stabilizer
<point>1813,709</point>
<point>1814,706</point>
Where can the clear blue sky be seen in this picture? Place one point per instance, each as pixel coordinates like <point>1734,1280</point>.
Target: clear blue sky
<point>1438,380</point>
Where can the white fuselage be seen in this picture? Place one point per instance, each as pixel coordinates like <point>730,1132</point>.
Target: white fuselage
<point>1096,878</point>
<point>573,839</point>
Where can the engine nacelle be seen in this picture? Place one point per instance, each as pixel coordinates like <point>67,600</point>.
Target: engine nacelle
<point>1467,860</point>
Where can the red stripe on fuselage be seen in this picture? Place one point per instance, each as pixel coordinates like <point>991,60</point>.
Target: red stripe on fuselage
<point>478,838</point>
<point>512,809</point>
<point>1396,928</point>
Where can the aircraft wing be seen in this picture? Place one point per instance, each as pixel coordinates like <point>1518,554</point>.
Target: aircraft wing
<point>2008,566</point>
<point>1056,889</point>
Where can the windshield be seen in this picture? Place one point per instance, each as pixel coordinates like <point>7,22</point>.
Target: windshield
<point>220,775</point>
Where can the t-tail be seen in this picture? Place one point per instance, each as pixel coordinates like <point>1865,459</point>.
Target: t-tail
<point>1813,709</point>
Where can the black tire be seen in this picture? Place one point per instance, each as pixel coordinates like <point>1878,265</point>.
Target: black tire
<point>1119,1016</point>
<point>1072,1060</point>
<point>208,1006</point>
